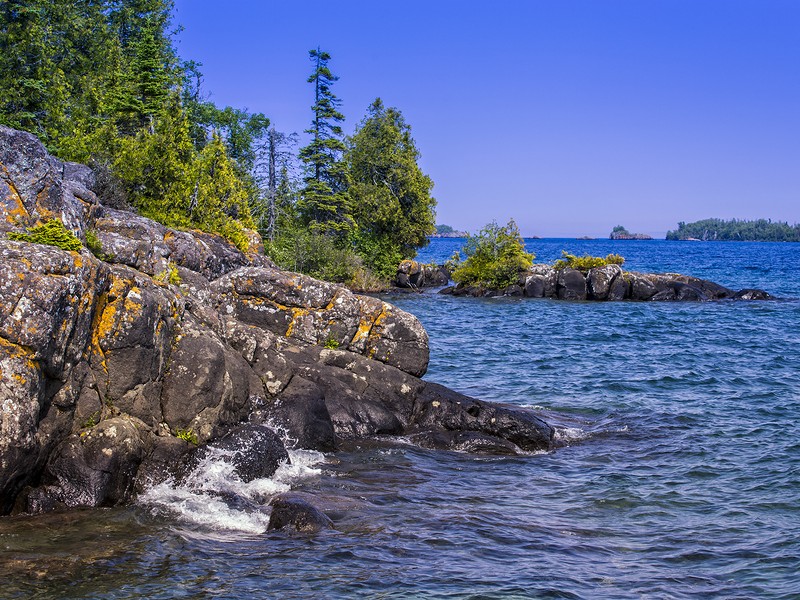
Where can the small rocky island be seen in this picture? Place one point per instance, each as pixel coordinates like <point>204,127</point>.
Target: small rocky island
<point>620,233</point>
<point>119,365</point>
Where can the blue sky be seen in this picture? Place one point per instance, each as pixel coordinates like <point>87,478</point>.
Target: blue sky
<point>569,116</point>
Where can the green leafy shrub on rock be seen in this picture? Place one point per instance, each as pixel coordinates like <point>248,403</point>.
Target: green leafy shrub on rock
<point>52,233</point>
<point>493,258</point>
<point>586,262</point>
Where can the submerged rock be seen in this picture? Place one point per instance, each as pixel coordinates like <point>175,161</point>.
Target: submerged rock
<point>292,511</point>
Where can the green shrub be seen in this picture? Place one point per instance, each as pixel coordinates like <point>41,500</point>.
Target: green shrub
<point>586,262</point>
<point>187,435</point>
<point>169,275</point>
<point>52,233</point>
<point>331,343</point>
<point>493,258</point>
<point>315,254</point>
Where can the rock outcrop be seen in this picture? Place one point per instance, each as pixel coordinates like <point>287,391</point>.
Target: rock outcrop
<point>415,275</point>
<point>113,370</point>
<point>609,282</point>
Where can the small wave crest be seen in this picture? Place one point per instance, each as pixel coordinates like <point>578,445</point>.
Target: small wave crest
<point>214,498</point>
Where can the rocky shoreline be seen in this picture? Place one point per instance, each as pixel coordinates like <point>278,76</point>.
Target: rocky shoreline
<point>115,371</point>
<point>607,283</point>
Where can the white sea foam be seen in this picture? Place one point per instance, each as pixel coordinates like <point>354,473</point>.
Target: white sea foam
<point>198,499</point>
<point>569,434</point>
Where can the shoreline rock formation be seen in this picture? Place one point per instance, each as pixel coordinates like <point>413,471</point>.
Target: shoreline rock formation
<point>115,370</point>
<point>610,283</point>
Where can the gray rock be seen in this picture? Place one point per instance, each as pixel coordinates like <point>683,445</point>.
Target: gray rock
<point>255,452</point>
<point>571,285</point>
<point>296,513</point>
<point>600,281</point>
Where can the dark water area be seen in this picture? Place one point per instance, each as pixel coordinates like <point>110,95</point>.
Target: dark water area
<point>677,475</point>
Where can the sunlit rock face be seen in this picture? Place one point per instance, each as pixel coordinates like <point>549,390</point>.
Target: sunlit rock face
<point>113,368</point>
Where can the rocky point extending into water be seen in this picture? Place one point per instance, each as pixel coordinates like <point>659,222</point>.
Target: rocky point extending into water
<point>604,283</point>
<point>115,371</point>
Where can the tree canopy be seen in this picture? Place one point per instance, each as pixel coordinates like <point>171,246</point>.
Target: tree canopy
<point>389,194</point>
<point>760,230</point>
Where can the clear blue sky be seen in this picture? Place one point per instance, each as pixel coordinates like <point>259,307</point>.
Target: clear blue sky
<point>569,116</point>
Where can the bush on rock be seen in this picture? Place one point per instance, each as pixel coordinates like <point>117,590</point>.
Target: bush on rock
<point>493,258</point>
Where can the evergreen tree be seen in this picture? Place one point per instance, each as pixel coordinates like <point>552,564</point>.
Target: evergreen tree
<point>324,203</point>
<point>390,195</point>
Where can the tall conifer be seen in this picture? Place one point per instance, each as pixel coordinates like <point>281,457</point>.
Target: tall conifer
<point>324,202</point>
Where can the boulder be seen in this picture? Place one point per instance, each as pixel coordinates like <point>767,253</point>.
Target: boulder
<point>752,294</point>
<point>94,468</point>
<point>571,285</point>
<point>600,281</point>
<point>439,408</point>
<point>296,513</point>
<point>255,451</point>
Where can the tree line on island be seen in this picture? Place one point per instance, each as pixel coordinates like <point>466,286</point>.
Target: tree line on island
<point>102,83</point>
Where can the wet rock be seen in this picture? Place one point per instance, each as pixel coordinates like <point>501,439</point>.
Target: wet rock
<point>465,441</point>
<point>300,410</point>
<point>752,294</point>
<point>94,468</point>
<point>438,407</point>
<point>296,513</point>
<point>255,451</point>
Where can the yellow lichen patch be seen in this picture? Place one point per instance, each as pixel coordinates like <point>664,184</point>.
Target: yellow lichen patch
<point>364,327</point>
<point>374,333</point>
<point>296,314</point>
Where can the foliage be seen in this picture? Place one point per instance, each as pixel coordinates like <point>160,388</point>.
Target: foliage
<point>389,194</point>
<point>493,258</point>
<point>51,233</point>
<point>315,254</point>
<point>169,275</point>
<point>586,262</point>
<point>323,204</point>
<point>100,82</point>
<point>331,343</point>
<point>187,435</point>
<point>619,229</point>
<point>760,230</point>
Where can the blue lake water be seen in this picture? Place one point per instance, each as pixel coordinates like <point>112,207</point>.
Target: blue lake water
<point>678,474</point>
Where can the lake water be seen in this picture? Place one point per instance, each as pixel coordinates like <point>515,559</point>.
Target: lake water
<point>677,475</point>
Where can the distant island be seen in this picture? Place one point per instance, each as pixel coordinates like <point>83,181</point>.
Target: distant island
<point>445,231</point>
<point>620,233</point>
<point>719,230</point>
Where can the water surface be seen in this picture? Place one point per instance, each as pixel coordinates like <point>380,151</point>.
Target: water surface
<point>678,474</point>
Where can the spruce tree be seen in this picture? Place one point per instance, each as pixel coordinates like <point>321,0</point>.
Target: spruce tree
<point>390,195</point>
<point>323,202</point>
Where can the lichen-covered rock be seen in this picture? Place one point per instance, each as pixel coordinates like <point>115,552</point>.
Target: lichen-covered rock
<point>600,281</point>
<point>300,307</point>
<point>104,362</point>
<point>32,188</point>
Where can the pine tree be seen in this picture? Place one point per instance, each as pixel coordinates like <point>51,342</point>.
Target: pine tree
<point>324,202</point>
